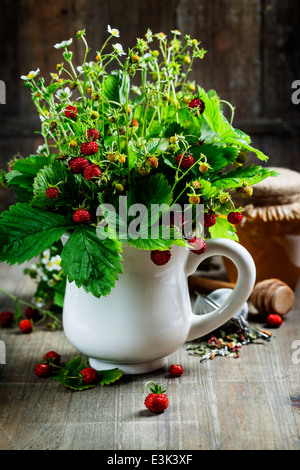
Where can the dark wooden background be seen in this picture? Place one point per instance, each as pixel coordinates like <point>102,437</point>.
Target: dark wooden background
<point>253,58</point>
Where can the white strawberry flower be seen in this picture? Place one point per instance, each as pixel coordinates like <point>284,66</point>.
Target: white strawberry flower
<point>63,44</point>
<point>41,149</point>
<point>87,65</point>
<point>119,49</point>
<point>32,74</point>
<point>113,31</point>
<point>55,263</point>
<point>45,256</point>
<point>63,94</point>
<point>38,302</point>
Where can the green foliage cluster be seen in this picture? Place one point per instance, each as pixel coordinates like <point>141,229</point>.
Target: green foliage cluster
<point>141,130</point>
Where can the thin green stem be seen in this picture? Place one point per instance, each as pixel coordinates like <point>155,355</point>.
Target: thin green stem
<point>28,304</point>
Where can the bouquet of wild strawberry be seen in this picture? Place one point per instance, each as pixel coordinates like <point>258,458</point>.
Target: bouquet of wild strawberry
<point>123,129</point>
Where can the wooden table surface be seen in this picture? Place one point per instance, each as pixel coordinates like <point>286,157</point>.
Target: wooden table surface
<point>246,403</point>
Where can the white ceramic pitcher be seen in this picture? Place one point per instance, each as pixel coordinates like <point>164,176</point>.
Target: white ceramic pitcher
<point>148,315</point>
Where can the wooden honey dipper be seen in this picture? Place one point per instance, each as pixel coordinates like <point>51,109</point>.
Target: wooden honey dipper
<point>268,296</point>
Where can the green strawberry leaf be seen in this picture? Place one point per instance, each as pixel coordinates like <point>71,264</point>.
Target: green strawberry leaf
<point>74,365</point>
<point>93,263</point>
<point>116,87</point>
<point>27,231</point>
<point>223,229</point>
<point>25,170</point>
<point>235,178</point>
<point>109,376</point>
<point>49,175</point>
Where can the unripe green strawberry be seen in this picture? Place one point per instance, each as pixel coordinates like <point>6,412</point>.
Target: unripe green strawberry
<point>152,162</point>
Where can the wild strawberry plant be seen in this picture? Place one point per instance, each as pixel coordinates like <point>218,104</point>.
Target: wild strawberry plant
<point>123,128</point>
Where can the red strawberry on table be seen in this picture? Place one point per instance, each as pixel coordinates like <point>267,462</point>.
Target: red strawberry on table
<point>176,370</point>
<point>89,375</point>
<point>157,401</point>
<point>42,370</point>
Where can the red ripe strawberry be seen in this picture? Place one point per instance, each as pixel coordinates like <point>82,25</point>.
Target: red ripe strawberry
<point>235,217</point>
<point>52,193</point>
<point>89,148</point>
<point>52,357</point>
<point>197,103</point>
<point>209,219</point>
<point>89,375</point>
<point>198,245</point>
<point>92,134</point>
<point>185,161</point>
<point>32,313</point>
<point>176,370</point>
<point>78,165</point>
<point>42,370</point>
<point>71,112</point>
<point>274,320</point>
<point>92,171</point>
<point>81,216</point>
<point>157,401</point>
<point>25,326</point>
<point>160,257</point>
<point>6,318</point>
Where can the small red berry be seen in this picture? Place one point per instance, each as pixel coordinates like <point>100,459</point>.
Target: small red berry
<point>176,370</point>
<point>89,375</point>
<point>89,148</point>
<point>185,162</point>
<point>25,326</point>
<point>157,401</point>
<point>6,318</point>
<point>209,219</point>
<point>52,357</point>
<point>52,193</point>
<point>197,103</point>
<point>92,134</point>
<point>160,257</point>
<point>71,112</point>
<point>235,217</point>
<point>32,313</point>
<point>81,216</point>
<point>274,320</point>
<point>78,165</point>
<point>91,171</point>
<point>198,245</point>
<point>213,340</point>
<point>42,370</point>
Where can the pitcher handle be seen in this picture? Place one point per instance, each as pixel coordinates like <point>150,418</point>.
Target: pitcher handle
<point>204,324</point>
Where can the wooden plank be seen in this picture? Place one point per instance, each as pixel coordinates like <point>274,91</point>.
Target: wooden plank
<point>280,57</point>
<point>231,32</point>
<point>226,403</point>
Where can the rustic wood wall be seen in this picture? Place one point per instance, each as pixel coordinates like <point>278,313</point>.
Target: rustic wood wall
<point>253,58</point>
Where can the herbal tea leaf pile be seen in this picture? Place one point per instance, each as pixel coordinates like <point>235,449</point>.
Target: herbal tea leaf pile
<point>124,127</point>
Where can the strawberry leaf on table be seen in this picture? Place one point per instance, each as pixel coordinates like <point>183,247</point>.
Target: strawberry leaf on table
<point>71,377</point>
<point>93,263</point>
<point>20,242</point>
<point>109,376</point>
